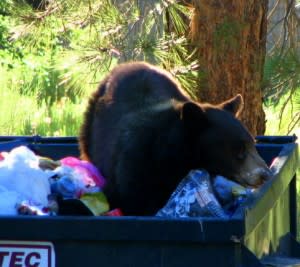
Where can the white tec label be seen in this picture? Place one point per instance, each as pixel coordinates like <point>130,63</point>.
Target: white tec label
<point>26,254</point>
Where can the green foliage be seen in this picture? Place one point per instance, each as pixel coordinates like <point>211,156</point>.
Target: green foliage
<point>8,51</point>
<point>281,73</point>
<point>284,118</point>
<point>5,6</point>
<point>54,54</point>
<point>281,90</point>
<point>48,86</point>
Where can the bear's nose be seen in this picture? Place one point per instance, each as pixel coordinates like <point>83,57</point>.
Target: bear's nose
<point>257,177</point>
<point>266,175</point>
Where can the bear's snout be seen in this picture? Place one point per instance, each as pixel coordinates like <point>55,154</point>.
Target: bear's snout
<point>254,172</point>
<point>257,177</point>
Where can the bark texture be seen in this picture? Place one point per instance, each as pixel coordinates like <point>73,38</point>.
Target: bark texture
<point>230,37</point>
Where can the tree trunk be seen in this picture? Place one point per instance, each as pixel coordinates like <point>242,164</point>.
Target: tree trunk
<point>230,37</point>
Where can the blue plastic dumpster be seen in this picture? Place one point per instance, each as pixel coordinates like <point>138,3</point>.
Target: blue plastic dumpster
<point>265,232</point>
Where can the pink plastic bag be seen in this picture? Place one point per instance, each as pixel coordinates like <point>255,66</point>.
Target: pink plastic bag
<point>90,173</point>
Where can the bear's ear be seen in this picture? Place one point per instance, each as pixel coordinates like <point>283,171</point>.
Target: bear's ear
<point>193,116</point>
<point>233,105</point>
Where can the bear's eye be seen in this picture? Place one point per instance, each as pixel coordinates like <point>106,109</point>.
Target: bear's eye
<point>241,152</point>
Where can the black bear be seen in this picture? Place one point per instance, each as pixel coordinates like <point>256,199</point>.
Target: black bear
<point>145,134</point>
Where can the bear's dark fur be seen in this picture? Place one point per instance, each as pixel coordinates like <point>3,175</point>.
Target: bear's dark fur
<point>145,134</point>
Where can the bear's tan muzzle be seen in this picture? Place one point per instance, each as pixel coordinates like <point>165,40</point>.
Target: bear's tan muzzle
<point>254,172</point>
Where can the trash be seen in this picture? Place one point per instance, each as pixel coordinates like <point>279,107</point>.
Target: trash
<point>34,185</point>
<point>97,202</point>
<point>48,164</point>
<point>230,194</point>
<point>193,197</point>
<point>89,173</point>
<point>22,179</point>
<point>198,196</point>
<point>114,212</point>
<point>68,183</point>
<point>27,208</point>
<point>8,199</point>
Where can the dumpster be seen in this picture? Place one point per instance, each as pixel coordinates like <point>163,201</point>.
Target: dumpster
<point>265,233</point>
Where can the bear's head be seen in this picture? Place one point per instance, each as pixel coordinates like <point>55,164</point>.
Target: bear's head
<point>221,144</point>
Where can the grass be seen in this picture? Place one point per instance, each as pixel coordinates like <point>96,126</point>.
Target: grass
<point>23,116</point>
<point>39,96</point>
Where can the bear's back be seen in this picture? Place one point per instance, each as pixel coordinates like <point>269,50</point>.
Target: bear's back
<point>139,85</point>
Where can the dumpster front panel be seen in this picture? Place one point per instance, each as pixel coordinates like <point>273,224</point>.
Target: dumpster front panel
<point>146,254</point>
<point>132,241</point>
